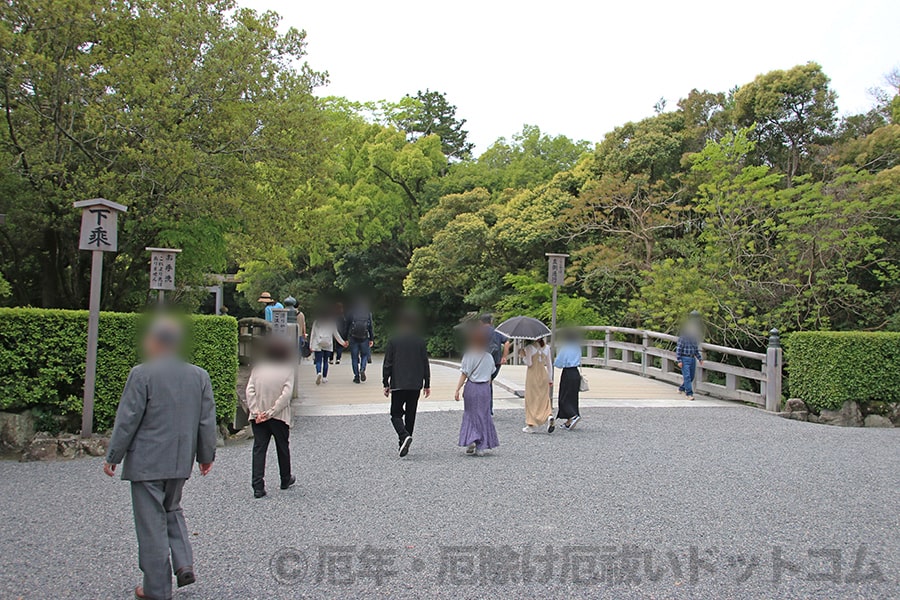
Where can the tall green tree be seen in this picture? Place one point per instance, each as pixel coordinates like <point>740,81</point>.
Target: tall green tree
<point>165,106</point>
<point>792,110</point>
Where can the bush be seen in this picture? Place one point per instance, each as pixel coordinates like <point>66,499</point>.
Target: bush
<point>42,360</point>
<point>827,368</point>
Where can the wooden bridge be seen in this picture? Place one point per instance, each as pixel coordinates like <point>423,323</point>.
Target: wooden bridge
<point>625,367</point>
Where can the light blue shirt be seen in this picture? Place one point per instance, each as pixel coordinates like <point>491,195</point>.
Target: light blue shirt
<point>269,310</point>
<point>568,356</point>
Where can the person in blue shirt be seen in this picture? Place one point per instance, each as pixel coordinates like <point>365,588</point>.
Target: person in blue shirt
<point>687,353</point>
<point>270,302</point>
<point>568,358</point>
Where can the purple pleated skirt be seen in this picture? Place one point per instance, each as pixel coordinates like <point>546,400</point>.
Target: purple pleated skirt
<point>477,423</point>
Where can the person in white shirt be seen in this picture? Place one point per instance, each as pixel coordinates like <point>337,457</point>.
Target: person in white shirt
<point>325,331</point>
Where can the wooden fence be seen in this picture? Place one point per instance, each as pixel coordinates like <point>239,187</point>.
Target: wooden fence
<point>756,379</point>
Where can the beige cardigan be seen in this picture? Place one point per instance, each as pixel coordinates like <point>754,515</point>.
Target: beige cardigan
<point>269,391</point>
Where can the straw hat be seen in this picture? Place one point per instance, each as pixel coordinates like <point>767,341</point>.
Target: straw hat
<point>266,298</point>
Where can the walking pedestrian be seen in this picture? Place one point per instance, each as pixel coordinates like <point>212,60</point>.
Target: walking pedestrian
<point>322,337</point>
<point>166,420</point>
<point>341,318</point>
<point>498,347</point>
<point>405,373</point>
<point>477,432</point>
<point>362,338</point>
<point>538,411</point>
<point>269,393</point>
<point>569,360</point>
<point>687,353</point>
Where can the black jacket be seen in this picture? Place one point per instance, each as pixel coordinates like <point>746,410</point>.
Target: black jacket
<point>406,363</point>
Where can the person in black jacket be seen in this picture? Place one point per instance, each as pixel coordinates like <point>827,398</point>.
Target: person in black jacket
<point>405,373</point>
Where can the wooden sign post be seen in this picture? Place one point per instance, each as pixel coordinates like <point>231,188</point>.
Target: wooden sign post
<point>99,234</point>
<point>556,274</point>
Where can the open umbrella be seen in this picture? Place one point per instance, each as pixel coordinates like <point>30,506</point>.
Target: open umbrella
<point>523,328</point>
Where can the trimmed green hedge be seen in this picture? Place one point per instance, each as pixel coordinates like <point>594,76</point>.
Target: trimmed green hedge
<point>42,360</point>
<point>827,368</point>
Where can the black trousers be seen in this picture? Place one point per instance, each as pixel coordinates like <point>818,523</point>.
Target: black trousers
<point>403,411</point>
<point>262,433</point>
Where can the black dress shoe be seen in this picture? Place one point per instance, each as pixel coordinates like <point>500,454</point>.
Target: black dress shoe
<point>362,376</point>
<point>259,493</point>
<point>291,482</point>
<point>185,576</point>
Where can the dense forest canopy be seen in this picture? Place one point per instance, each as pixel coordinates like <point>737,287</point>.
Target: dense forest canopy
<point>759,206</point>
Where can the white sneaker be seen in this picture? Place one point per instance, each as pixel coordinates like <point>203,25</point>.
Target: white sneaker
<point>324,380</point>
<point>574,422</point>
<point>470,449</point>
<point>528,429</point>
<point>318,379</point>
<point>479,453</point>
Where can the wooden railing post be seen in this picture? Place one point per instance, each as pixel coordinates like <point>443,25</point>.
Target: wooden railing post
<point>773,371</point>
<point>606,342</point>
<point>646,344</point>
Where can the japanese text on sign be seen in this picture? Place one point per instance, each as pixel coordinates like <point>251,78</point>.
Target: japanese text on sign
<point>280,322</point>
<point>98,229</point>
<point>556,269</point>
<point>162,271</point>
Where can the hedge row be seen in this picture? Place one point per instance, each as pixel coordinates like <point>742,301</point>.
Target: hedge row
<point>827,368</point>
<point>42,360</point>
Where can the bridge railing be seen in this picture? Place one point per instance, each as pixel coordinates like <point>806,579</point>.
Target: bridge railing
<point>756,380</point>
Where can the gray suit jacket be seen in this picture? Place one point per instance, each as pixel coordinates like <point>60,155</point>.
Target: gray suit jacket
<point>166,419</point>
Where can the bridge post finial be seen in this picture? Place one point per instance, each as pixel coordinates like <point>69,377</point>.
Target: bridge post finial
<point>774,338</point>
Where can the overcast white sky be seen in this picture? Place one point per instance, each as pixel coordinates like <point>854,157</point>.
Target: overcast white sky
<point>581,68</point>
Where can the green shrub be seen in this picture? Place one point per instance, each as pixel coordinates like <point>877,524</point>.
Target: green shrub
<point>42,360</point>
<point>827,368</point>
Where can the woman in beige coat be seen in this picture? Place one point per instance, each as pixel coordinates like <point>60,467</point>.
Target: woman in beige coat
<point>269,394</point>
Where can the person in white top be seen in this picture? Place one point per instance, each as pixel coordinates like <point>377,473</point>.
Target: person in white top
<point>269,393</point>
<point>538,411</point>
<point>325,331</point>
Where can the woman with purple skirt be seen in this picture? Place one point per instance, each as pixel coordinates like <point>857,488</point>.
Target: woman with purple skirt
<point>478,432</point>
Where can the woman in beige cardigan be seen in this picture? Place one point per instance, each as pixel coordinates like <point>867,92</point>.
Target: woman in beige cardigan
<point>269,394</point>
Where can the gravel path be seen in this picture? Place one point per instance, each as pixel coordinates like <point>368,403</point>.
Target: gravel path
<point>637,503</point>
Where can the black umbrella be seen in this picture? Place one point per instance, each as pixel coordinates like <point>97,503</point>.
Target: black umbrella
<point>523,328</point>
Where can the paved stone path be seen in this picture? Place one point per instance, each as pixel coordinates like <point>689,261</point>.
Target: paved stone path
<point>702,502</point>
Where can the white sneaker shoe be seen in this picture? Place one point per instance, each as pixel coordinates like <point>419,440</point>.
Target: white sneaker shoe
<point>528,429</point>
<point>324,380</point>
<point>318,379</point>
<point>479,453</point>
<point>470,449</point>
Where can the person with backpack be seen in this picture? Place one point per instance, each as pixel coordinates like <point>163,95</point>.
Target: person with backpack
<point>322,337</point>
<point>362,338</point>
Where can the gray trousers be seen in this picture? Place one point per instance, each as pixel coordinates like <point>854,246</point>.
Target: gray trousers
<point>161,533</point>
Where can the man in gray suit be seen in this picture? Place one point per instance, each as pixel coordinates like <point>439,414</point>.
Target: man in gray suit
<point>166,419</point>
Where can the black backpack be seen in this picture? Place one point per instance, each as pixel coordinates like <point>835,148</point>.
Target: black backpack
<point>359,328</point>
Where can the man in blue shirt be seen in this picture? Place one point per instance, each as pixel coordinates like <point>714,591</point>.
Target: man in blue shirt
<point>687,353</point>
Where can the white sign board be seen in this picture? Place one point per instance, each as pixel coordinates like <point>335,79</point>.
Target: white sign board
<point>162,269</point>
<point>280,322</point>
<point>99,230</point>
<point>556,269</point>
